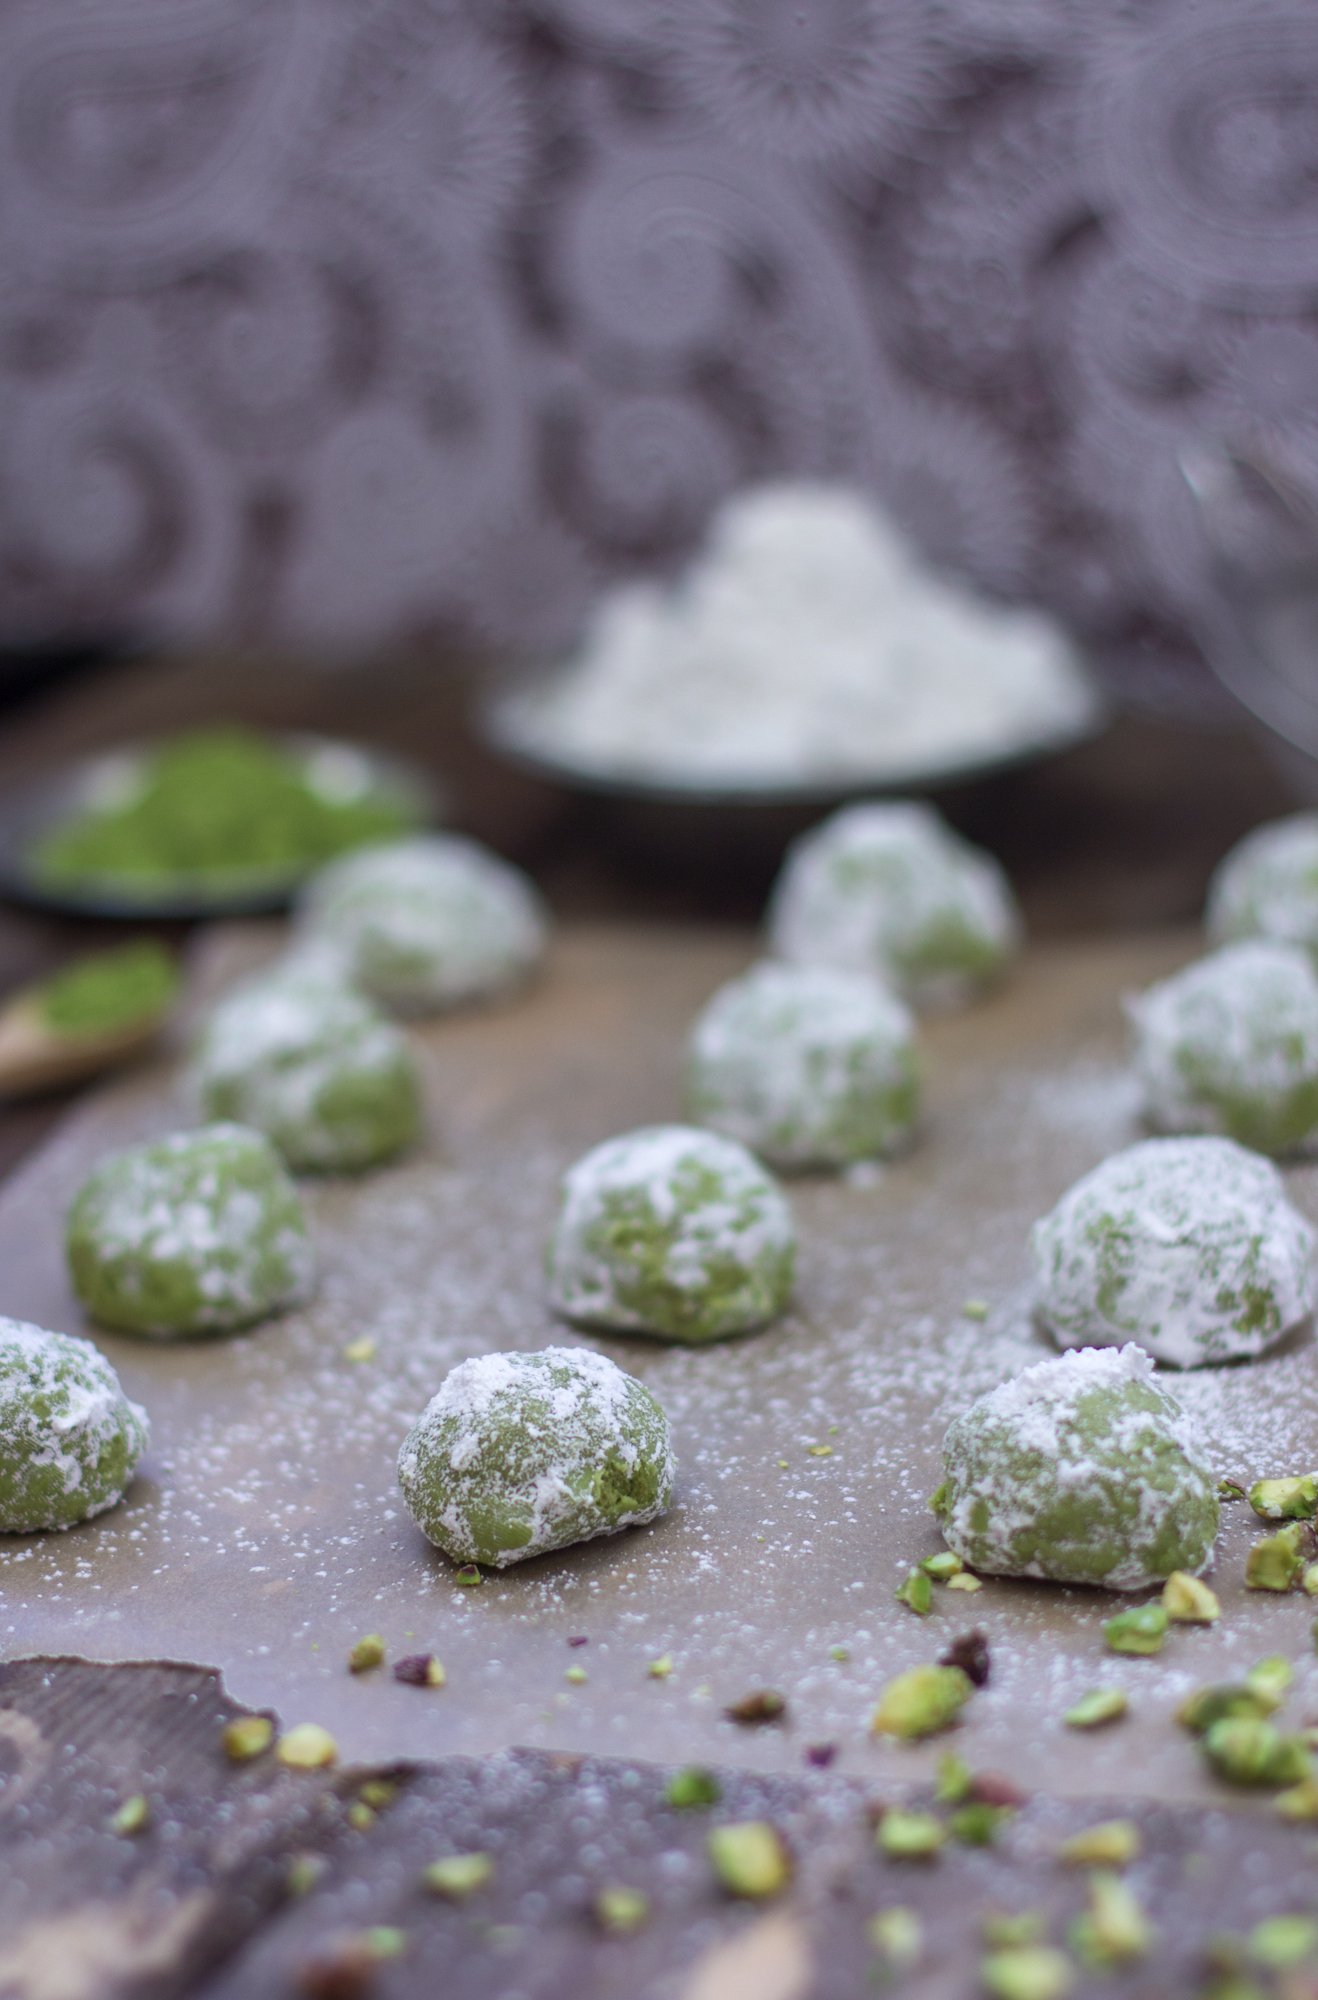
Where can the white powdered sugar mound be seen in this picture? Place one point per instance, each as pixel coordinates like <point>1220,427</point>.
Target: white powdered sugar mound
<point>804,642</point>
<point>1231,1042</point>
<point>1189,1246</point>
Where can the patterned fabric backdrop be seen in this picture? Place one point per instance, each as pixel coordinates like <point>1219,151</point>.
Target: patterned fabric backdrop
<point>332,321</point>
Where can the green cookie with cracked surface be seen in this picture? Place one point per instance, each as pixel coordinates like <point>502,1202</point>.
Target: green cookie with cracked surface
<point>522,1453</point>
<point>1082,1470</point>
<point>70,1440</point>
<point>201,1232</point>
<point>674,1232</point>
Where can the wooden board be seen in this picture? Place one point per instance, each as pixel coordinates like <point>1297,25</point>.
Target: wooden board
<point>267,1535</point>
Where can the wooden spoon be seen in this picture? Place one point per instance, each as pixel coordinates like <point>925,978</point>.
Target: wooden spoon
<point>36,1054</point>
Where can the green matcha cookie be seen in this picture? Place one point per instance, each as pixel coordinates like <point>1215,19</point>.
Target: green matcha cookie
<point>69,1438</point>
<point>674,1232</point>
<point>1268,885</point>
<point>315,1067</point>
<point>807,1065</point>
<point>426,923</point>
<point>1230,1045</point>
<point>522,1453</point>
<point>890,889</point>
<point>197,1233</point>
<point>1188,1246</point>
<point>1081,1470</point>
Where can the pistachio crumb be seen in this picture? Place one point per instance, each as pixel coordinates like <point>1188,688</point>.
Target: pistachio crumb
<point>1285,1499</point>
<point>1276,1562</point>
<point>1027,1972</point>
<point>367,1653</point>
<point>1270,1679</point>
<point>1282,1941</point>
<point>1309,1581</point>
<point>974,1308</point>
<point>1100,1705</point>
<point>963,1580</point>
<point>784,1464</point>
<point>306,1747</point>
<point>1114,1930</point>
<point>384,1941</point>
<point>660,1669</point>
<point>621,1910</point>
<point>693,1787</point>
<point>1187,1600</point>
<point>820,1450</point>
<point>379,1792</point>
<point>360,1350</point>
<point>1140,1631</point>
<point>1013,1928</point>
<point>909,1836</point>
<point>897,1936</point>
<point>1245,1750</point>
<point>577,1675</point>
<point>976,1824</point>
<point>954,1780</point>
<point>133,1816</point>
<point>942,1566</point>
<point>1230,1489</point>
<point>917,1593</point>
<point>1299,1802</point>
<point>457,1876</point>
<point>247,1736</point>
<point>762,1705</point>
<point>921,1701</point>
<point>749,1858</point>
<point>303,1873</point>
<point>468,1576</point>
<point>361,1815</point>
<point>838,1653</point>
<point>1110,1843</point>
<point>421,1670</point>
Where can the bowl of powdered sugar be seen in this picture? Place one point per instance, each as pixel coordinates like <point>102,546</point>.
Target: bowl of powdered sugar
<point>805,654</point>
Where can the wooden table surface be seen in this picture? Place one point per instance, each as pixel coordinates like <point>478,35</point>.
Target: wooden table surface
<point>1116,836</point>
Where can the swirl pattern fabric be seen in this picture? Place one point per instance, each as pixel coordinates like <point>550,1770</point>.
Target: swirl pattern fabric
<point>332,324</point>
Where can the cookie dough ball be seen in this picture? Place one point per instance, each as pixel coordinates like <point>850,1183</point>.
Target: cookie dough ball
<point>426,923</point>
<point>1188,1246</point>
<point>890,889</point>
<point>1231,1045</point>
<point>1081,1470</point>
<point>315,1067</point>
<point>197,1233</point>
<point>522,1453</point>
<point>673,1232</point>
<point>70,1439</point>
<point>1268,885</point>
<point>807,1065</point>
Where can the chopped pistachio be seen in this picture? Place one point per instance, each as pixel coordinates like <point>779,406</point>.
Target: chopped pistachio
<point>303,1873</point>
<point>1111,1843</point>
<point>749,1858</point>
<point>379,1793</point>
<point>921,1701</point>
<point>421,1670</point>
<point>897,1936</point>
<point>1285,1499</point>
<point>1100,1705</point>
<point>1140,1630</point>
<point>693,1787</point>
<point>820,1450</point>
<point>1187,1600</point>
<point>1009,1929</point>
<point>955,1779</point>
<point>367,1653</point>
<point>917,1592</point>
<point>1270,1679</point>
<point>942,1566</point>
<point>577,1675</point>
<point>910,1836</point>
<point>384,1941</point>
<point>247,1736</point>
<point>361,1815</point>
<point>1230,1489</point>
<point>762,1705</point>
<point>1300,1802</point>
<point>306,1747</point>
<point>1280,1942</point>
<point>360,1350</point>
<point>621,1910</point>
<point>965,1581</point>
<point>1114,1930</point>
<point>938,1499</point>
<point>457,1876</point>
<point>1276,1562</point>
<point>1248,1751</point>
<point>660,1669</point>
<point>974,1308</point>
<point>838,1653</point>
<point>468,1576</point>
<point>1220,1702</point>
<point>783,1464</point>
<point>133,1816</point>
<point>1309,1581</point>
<point>976,1824</point>
<point>1027,1972</point>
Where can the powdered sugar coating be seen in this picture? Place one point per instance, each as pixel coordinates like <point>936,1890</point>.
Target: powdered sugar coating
<point>425,923</point>
<point>200,1232</point>
<point>70,1440</point>
<point>890,889</point>
<point>522,1453</point>
<point>1230,1045</point>
<point>1267,886</point>
<point>674,1232</point>
<point>808,1065</point>
<point>1082,1469</point>
<point>1188,1246</point>
<point>314,1066</point>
